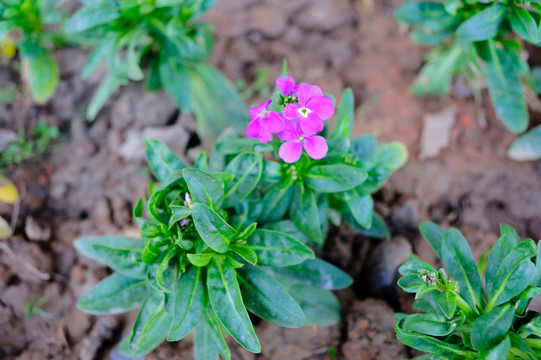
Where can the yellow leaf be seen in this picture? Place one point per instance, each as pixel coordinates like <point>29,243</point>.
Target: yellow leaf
<point>8,191</point>
<point>5,230</point>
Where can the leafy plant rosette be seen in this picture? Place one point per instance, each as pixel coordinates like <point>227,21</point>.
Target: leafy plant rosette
<point>31,23</point>
<point>481,311</point>
<point>163,36</point>
<point>231,234</point>
<point>479,39</point>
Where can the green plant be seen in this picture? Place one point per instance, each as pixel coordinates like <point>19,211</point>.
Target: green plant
<point>41,138</point>
<point>162,35</point>
<point>33,309</point>
<point>480,312</point>
<point>32,24</point>
<point>231,235</point>
<point>478,38</point>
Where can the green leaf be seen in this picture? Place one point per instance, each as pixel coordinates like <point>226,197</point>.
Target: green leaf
<point>320,307</point>
<point>225,298</point>
<point>204,188</point>
<point>43,75</point>
<point>278,249</point>
<point>305,215</point>
<point>150,327</point>
<point>505,89</point>
<point>127,261</point>
<point>503,247</point>
<point>432,345</point>
<point>345,116</point>
<point>216,103</point>
<point>162,160</point>
<point>179,213</point>
<point>201,259</point>
<point>85,245</point>
<point>490,328</point>
<point>334,178</point>
<point>213,326</point>
<point>426,14</point>
<point>523,23</point>
<point>498,352</point>
<point>114,294</point>
<point>205,347</point>
<point>410,283</point>
<point>247,169</point>
<point>317,273</point>
<point>360,206</point>
<point>391,156</point>
<point>527,147</point>
<point>276,202</point>
<point>245,252</point>
<point>435,76</point>
<point>107,87</point>
<point>458,259</point>
<point>510,280</point>
<point>433,234</point>
<point>214,230</point>
<point>189,304</point>
<point>288,227</point>
<point>92,15</point>
<point>429,324</point>
<point>266,298</point>
<point>483,25</point>
<point>168,271</point>
<point>176,80</point>
<point>364,147</point>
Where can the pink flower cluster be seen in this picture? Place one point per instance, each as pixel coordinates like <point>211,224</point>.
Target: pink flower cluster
<point>298,123</point>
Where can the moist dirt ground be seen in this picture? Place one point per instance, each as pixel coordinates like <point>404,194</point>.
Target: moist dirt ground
<point>457,175</point>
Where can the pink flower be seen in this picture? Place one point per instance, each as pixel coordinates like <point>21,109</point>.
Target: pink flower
<point>287,85</point>
<point>291,150</point>
<point>264,123</point>
<point>313,108</point>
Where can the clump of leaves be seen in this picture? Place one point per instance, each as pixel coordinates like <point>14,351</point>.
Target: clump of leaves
<point>31,23</point>
<point>232,234</point>
<point>481,310</point>
<point>478,38</point>
<point>164,35</point>
<point>41,138</point>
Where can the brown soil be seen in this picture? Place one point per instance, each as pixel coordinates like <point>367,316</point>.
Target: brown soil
<point>87,185</point>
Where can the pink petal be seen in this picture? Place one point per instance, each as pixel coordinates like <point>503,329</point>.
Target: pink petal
<point>311,124</point>
<point>290,131</point>
<point>258,111</point>
<point>322,106</point>
<point>264,135</point>
<point>286,84</point>
<point>290,151</point>
<point>252,130</point>
<point>291,112</point>
<point>316,147</point>
<point>274,122</point>
<point>306,92</point>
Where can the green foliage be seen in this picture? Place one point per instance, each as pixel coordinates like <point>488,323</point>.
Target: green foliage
<point>33,22</point>
<point>475,38</point>
<point>231,235</point>
<point>40,139</point>
<point>164,37</point>
<point>472,315</point>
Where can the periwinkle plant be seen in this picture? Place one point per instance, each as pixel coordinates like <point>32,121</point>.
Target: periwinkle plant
<point>231,234</point>
<point>481,311</point>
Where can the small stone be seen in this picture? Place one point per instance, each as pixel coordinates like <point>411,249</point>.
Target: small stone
<point>436,134</point>
<point>35,232</point>
<point>406,216</point>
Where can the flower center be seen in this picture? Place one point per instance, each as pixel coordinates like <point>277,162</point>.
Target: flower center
<point>304,112</point>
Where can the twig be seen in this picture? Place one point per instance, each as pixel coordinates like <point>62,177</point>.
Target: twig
<point>39,274</point>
